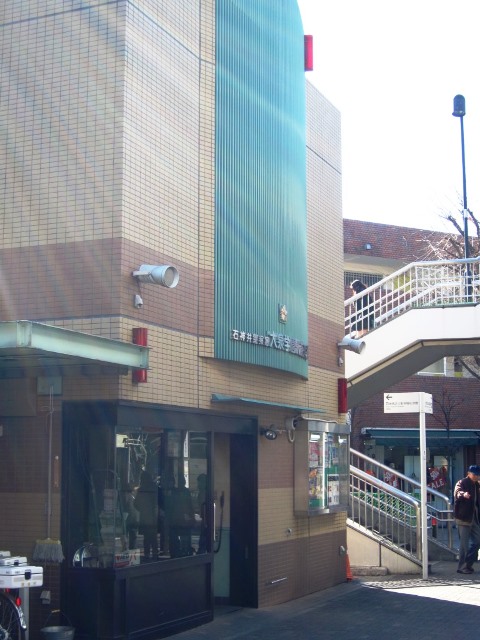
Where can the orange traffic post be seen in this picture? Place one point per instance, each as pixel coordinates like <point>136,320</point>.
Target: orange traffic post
<point>349,571</point>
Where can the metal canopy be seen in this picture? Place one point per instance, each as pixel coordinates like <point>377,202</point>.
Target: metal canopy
<point>219,397</point>
<point>33,345</point>
<point>436,438</point>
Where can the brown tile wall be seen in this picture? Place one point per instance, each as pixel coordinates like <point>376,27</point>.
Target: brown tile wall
<point>309,564</point>
<point>126,177</point>
<point>88,279</point>
<point>24,495</point>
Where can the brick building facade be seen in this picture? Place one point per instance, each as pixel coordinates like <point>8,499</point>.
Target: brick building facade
<point>371,252</point>
<point>148,133</point>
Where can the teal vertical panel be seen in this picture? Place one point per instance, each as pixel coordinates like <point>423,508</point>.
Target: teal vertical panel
<point>260,191</point>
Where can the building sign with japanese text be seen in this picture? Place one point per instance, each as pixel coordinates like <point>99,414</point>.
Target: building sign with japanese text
<point>272,340</point>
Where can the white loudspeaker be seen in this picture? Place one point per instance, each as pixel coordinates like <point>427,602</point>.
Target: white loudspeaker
<point>164,274</point>
<point>350,344</point>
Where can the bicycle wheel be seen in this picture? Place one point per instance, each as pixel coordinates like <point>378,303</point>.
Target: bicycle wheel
<point>10,628</point>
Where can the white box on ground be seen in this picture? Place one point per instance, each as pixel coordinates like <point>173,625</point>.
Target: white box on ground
<point>20,577</point>
<point>13,561</point>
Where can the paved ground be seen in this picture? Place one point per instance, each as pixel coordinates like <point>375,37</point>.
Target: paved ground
<point>446,606</point>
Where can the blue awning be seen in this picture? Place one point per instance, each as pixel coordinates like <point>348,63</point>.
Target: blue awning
<point>436,438</point>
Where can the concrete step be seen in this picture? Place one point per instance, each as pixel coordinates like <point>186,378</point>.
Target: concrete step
<point>369,571</point>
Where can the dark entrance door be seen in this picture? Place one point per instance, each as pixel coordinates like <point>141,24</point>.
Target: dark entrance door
<point>243,521</point>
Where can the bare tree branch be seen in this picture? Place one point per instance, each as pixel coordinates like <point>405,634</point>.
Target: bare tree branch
<point>450,246</point>
<point>472,368</point>
<point>449,407</point>
<point>454,222</point>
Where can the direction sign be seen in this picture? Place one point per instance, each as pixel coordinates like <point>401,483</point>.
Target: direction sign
<point>420,403</point>
<point>407,402</point>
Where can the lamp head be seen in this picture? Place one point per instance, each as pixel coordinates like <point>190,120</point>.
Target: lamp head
<point>459,106</point>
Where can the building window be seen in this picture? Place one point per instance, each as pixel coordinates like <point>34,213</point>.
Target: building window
<point>457,367</point>
<point>141,494</point>
<point>434,369</point>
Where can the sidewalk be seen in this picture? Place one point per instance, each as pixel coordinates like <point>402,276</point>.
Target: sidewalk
<point>444,607</point>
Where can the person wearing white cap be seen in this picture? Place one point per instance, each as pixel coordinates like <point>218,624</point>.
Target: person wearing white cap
<point>467,517</point>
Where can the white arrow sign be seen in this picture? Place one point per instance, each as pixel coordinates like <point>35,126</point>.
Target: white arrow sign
<point>407,402</point>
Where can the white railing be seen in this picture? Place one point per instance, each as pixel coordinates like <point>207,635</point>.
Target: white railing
<point>392,511</point>
<point>417,285</point>
<point>386,512</point>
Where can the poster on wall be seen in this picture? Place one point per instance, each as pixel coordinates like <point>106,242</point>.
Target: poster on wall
<point>333,481</point>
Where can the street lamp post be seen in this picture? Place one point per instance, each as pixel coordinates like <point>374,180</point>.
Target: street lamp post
<point>459,111</point>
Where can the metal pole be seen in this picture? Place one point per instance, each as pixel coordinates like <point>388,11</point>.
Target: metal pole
<point>423,478</point>
<point>459,111</point>
<point>465,207</point>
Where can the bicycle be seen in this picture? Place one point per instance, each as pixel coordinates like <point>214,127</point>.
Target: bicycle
<point>12,619</point>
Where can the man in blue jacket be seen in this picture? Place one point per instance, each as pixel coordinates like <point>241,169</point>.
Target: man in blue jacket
<point>467,517</point>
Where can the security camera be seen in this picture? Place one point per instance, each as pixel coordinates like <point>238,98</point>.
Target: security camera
<point>270,433</point>
<point>137,301</point>
<point>164,274</point>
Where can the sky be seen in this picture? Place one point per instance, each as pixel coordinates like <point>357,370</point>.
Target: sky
<point>392,69</point>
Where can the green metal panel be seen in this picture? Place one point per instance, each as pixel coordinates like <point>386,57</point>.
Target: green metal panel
<point>43,345</point>
<point>260,219</point>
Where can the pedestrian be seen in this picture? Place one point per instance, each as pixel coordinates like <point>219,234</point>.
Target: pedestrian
<point>146,503</point>
<point>364,317</point>
<point>467,517</point>
<point>390,477</point>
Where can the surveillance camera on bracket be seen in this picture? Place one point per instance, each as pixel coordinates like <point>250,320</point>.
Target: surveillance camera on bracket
<point>270,433</point>
<point>350,344</point>
<point>165,275</point>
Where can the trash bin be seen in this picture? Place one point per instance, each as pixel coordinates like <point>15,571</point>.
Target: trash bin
<point>58,633</point>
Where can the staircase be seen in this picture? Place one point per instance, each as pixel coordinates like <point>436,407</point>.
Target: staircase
<point>437,283</point>
<point>385,521</point>
<point>421,313</point>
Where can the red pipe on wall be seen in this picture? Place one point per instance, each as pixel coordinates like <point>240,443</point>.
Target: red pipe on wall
<point>308,45</point>
<point>342,395</point>
<point>140,337</point>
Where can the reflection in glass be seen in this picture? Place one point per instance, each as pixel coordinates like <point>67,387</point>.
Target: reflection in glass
<point>144,496</point>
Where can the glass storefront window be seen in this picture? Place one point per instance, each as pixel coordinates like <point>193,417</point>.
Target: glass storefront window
<point>321,467</point>
<point>145,496</point>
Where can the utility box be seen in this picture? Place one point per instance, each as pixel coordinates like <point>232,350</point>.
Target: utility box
<point>20,577</point>
<point>12,561</point>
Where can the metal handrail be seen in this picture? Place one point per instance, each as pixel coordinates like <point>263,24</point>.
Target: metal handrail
<point>385,511</point>
<point>379,465</point>
<point>417,285</point>
<point>409,487</point>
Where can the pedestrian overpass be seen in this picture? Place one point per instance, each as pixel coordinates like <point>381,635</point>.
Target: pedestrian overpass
<point>420,314</point>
